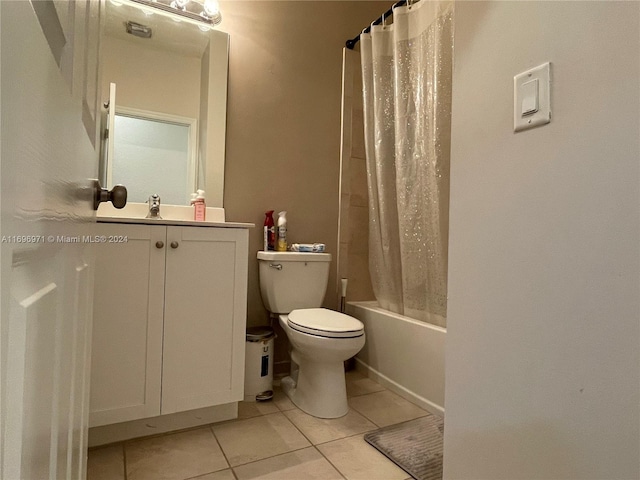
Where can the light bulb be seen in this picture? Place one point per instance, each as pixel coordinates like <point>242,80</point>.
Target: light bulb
<point>211,8</point>
<point>179,4</point>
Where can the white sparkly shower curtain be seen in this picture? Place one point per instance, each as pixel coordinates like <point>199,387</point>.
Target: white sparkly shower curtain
<point>406,71</point>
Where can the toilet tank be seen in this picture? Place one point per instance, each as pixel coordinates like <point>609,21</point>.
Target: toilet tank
<point>292,280</point>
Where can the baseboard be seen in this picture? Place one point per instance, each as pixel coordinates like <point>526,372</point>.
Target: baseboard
<point>395,387</point>
<point>145,427</point>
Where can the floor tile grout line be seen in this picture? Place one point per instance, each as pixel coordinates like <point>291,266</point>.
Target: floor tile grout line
<point>232,421</point>
<point>330,462</point>
<point>209,473</point>
<point>124,461</point>
<point>366,393</point>
<point>426,412</point>
<point>271,456</point>
<point>296,427</point>
<point>277,455</point>
<point>353,436</point>
<point>221,449</point>
<point>282,412</point>
<point>348,436</point>
<point>361,413</point>
<point>318,450</point>
<point>167,434</point>
<point>311,444</point>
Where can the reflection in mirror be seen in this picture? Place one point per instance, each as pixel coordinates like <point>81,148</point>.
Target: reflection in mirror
<point>180,71</point>
<point>158,150</point>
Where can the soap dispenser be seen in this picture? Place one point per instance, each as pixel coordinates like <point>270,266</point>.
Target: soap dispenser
<point>199,206</point>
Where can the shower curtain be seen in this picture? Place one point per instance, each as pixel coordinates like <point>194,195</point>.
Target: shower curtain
<point>406,71</point>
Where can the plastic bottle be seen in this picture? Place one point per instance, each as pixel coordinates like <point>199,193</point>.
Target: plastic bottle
<point>200,207</point>
<point>282,232</point>
<point>269,232</point>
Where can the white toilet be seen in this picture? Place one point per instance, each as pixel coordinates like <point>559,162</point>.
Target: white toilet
<point>293,285</point>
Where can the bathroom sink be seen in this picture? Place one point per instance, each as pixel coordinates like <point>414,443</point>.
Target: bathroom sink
<point>169,213</point>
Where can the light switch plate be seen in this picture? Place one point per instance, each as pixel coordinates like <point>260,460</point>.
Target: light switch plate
<point>522,92</point>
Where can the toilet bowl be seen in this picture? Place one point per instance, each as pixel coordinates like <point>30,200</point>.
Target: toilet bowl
<point>293,285</point>
<point>321,341</point>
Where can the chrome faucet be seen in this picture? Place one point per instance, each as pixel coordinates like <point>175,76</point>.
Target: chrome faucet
<point>154,207</point>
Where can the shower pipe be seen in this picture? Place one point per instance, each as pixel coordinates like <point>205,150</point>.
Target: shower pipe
<point>350,44</point>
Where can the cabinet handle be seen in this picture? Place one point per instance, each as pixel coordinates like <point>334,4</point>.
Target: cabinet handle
<point>174,244</point>
<point>159,244</point>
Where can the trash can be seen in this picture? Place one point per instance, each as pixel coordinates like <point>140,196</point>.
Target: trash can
<point>258,367</point>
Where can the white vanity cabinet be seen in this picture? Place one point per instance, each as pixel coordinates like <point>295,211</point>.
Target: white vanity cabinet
<point>169,320</point>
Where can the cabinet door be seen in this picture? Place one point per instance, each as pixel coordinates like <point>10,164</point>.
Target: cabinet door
<point>126,366</point>
<point>205,317</point>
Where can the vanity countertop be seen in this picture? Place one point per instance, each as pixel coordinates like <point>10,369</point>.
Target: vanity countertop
<point>171,215</point>
<point>183,223</point>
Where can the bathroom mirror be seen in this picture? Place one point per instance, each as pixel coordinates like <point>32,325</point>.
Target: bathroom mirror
<point>167,69</point>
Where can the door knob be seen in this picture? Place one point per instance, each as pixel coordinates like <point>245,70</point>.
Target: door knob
<point>159,244</point>
<point>174,244</point>
<point>117,195</point>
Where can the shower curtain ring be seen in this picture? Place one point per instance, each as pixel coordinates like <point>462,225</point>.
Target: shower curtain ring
<point>384,25</point>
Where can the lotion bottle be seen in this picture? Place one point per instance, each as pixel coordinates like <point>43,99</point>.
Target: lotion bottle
<point>282,232</point>
<point>200,207</point>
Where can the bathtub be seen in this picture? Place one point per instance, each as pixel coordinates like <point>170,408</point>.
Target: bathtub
<point>404,355</point>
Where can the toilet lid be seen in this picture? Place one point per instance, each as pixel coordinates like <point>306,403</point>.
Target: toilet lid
<point>325,323</point>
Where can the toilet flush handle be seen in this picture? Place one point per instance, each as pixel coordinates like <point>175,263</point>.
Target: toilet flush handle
<point>277,266</point>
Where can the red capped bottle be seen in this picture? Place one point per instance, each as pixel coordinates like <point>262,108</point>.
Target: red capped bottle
<point>269,232</point>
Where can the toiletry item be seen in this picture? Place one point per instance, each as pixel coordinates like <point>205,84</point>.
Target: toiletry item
<point>282,232</point>
<point>308,247</point>
<point>200,207</point>
<point>343,296</point>
<point>269,232</point>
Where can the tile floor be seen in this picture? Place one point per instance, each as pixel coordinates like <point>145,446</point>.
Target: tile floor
<point>270,440</point>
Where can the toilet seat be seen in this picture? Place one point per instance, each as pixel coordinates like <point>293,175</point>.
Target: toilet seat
<point>325,323</point>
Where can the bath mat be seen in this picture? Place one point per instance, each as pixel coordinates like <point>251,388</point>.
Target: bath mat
<point>415,446</point>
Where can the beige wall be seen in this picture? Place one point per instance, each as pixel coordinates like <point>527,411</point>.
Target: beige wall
<point>543,362</point>
<point>283,119</point>
<point>151,79</point>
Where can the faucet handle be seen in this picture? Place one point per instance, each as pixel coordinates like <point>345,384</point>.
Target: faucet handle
<point>154,207</point>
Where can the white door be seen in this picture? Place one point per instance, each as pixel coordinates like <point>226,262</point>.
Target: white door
<point>49,102</point>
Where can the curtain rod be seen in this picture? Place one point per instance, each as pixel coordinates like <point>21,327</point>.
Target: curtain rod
<point>350,44</point>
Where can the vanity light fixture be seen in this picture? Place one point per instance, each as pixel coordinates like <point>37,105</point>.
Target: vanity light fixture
<point>201,12</point>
